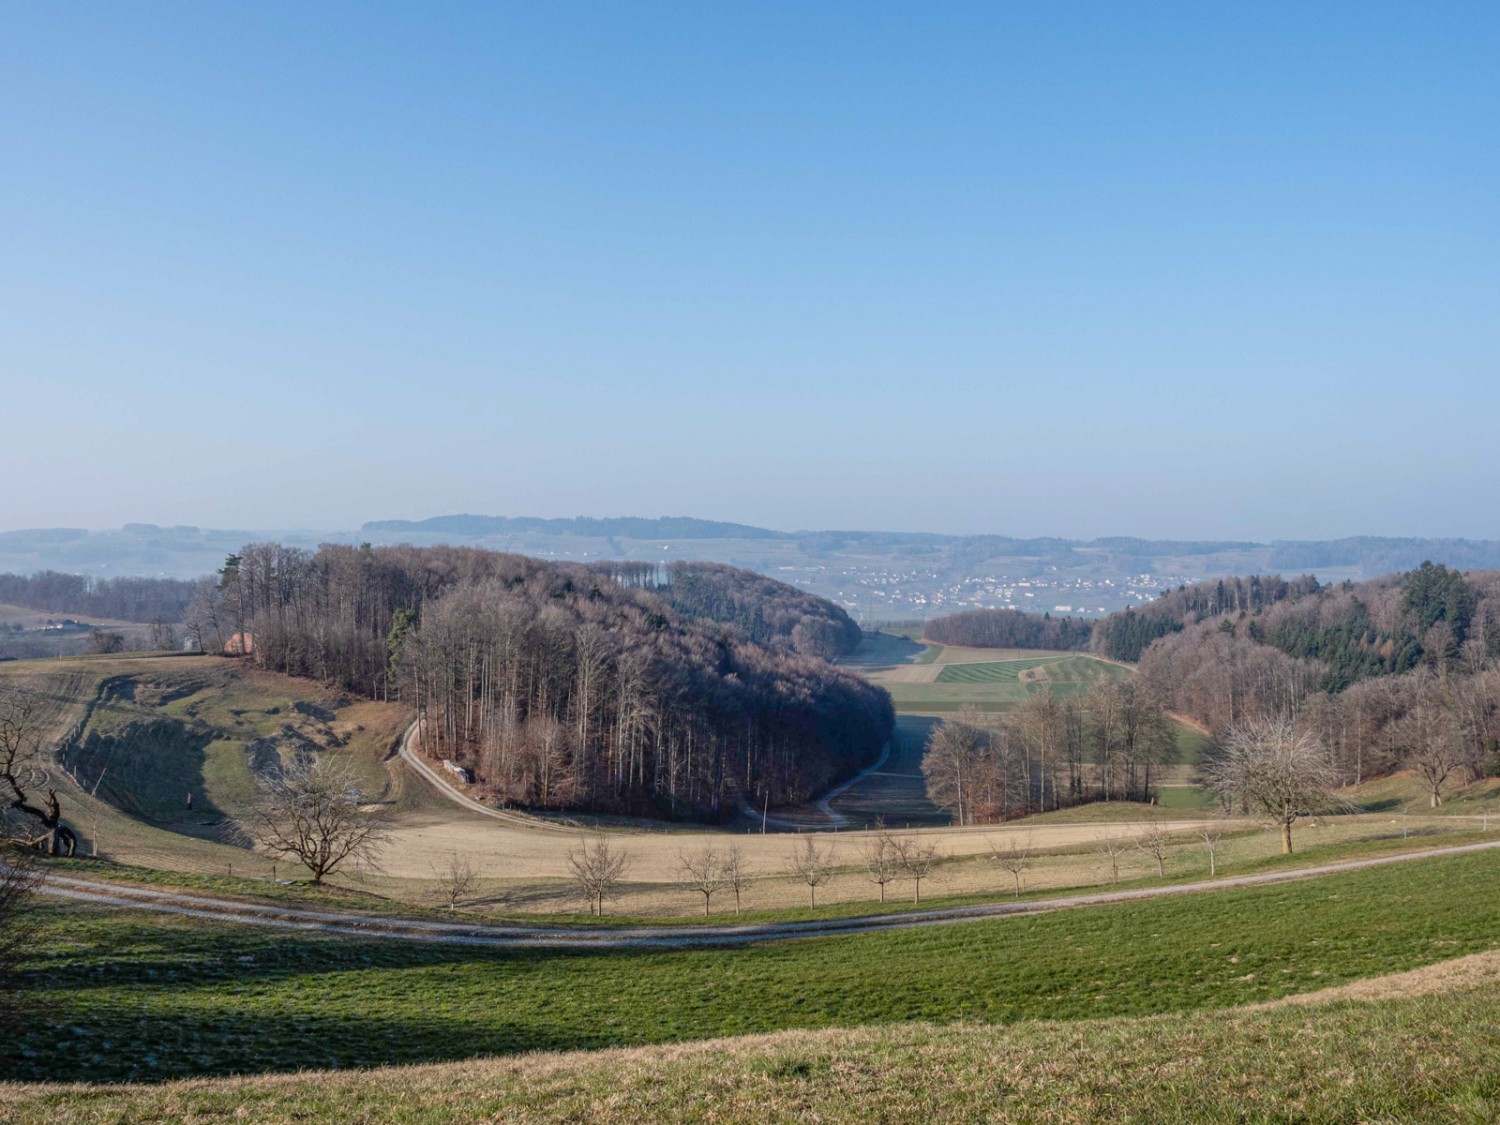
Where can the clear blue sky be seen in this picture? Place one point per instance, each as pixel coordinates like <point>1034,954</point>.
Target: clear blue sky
<point>1195,270</point>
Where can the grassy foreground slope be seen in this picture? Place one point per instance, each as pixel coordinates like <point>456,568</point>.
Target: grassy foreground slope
<point>142,997</point>
<point>1428,1058</point>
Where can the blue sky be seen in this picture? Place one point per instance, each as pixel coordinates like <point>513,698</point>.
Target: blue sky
<point>1171,270</point>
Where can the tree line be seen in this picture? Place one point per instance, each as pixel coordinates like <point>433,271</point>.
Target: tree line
<point>1010,628</point>
<point>1397,672</point>
<point>124,599</point>
<point>1049,753</point>
<point>558,686</point>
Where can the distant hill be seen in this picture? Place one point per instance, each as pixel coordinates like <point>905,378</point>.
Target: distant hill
<point>630,527</point>
<point>873,575</point>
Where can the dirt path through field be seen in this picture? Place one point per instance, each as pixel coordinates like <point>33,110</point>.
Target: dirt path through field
<point>506,844</point>
<point>681,936</point>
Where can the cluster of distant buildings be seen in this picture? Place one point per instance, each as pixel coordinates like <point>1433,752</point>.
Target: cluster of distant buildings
<point>873,594</point>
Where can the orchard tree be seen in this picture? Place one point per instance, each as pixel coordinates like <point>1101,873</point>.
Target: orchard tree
<point>597,869</point>
<point>310,811</point>
<point>810,864</point>
<point>1273,771</point>
<point>702,871</point>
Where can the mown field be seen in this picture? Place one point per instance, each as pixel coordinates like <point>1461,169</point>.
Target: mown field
<point>994,680</point>
<point>143,998</point>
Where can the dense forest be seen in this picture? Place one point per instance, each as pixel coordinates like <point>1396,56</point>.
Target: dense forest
<point>1401,671</point>
<point>560,686</point>
<point>1010,628</point>
<point>123,599</point>
<point>766,611</point>
<point>1396,672</point>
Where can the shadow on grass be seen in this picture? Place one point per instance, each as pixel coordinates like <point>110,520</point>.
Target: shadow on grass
<point>120,1046</point>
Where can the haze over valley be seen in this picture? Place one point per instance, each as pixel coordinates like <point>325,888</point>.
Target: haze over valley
<point>749,563</point>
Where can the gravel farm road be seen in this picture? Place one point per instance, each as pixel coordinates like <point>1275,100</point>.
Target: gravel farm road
<point>684,935</point>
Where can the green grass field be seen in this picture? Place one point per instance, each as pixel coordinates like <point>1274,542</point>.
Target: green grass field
<point>146,997</point>
<point>1427,1058</point>
<point>995,672</point>
<point>996,686</point>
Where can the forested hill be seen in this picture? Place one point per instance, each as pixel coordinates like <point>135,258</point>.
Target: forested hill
<point>1400,671</point>
<point>765,610</point>
<point>559,686</point>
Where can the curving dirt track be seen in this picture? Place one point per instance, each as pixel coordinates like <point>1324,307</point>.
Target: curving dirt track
<point>450,933</point>
<point>507,843</point>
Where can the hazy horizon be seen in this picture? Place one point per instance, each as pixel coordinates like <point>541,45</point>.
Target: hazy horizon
<point>1169,273</point>
<point>352,527</point>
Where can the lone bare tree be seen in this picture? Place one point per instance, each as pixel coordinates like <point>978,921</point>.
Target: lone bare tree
<point>1112,848</point>
<point>881,863</point>
<point>310,811</point>
<point>1154,841</point>
<point>1013,857</point>
<point>1211,833</point>
<point>456,879</point>
<point>736,878</point>
<point>597,868</point>
<point>23,770</point>
<point>916,861</point>
<point>1432,746</point>
<point>702,870</point>
<point>810,864</point>
<point>1273,771</point>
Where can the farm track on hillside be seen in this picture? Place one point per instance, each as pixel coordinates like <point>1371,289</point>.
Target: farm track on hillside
<point>211,908</point>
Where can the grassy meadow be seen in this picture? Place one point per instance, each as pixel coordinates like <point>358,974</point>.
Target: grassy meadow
<point>1423,1052</point>
<point>141,997</point>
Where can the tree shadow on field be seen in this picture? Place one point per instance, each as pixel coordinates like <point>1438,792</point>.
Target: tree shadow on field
<point>118,1045</point>
<point>885,648</point>
<point>145,955</point>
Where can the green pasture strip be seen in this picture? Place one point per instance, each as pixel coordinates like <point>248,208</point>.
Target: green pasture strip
<point>121,995</point>
<point>1424,1059</point>
<point>998,671</point>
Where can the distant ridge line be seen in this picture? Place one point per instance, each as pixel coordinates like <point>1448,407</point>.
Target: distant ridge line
<point>632,527</point>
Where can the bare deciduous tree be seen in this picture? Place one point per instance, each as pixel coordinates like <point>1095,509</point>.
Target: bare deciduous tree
<point>104,641</point>
<point>456,879</point>
<point>23,770</point>
<point>916,861</point>
<point>1273,771</point>
<point>1014,857</point>
<point>881,863</point>
<point>310,811</point>
<point>951,759</point>
<point>597,868</point>
<point>1211,833</point>
<point>1112,848</point>
<point>702,871</point>
<point>1432,745</point>
<point>810,864</point>
<point>163,635</point>
<point>1154,841</point>
<point>735,876</point>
